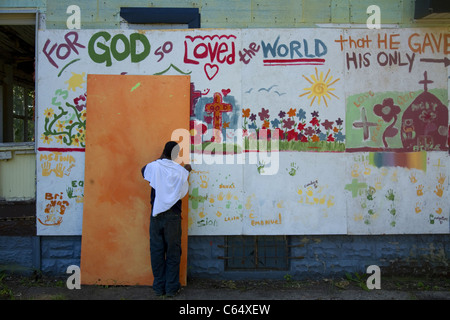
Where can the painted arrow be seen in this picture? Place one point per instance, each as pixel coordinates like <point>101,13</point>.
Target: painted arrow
<point>446,61</point>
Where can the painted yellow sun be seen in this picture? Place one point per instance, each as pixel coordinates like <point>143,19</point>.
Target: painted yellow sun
<point>320,87</point>
<point>76,80</point>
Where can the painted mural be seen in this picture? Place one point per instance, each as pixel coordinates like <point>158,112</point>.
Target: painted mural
<point>292,131</point>
<point>376,205</point>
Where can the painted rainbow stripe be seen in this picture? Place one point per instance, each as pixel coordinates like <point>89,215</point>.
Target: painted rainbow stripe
<point>410,160</point>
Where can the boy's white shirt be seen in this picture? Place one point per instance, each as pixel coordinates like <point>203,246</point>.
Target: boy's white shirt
<point>170,181</point>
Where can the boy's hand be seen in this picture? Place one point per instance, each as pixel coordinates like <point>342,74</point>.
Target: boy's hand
<point>188,167</point>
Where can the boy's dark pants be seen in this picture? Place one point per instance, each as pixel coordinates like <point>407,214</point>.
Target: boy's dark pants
<point>165,251</point>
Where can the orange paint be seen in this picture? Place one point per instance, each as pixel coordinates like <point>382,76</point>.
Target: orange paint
<point>126,129</point>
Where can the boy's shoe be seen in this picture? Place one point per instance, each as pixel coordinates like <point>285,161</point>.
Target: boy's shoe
<point>171,295</point>
<point>160,294</point>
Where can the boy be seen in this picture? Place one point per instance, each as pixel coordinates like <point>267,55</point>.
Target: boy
<point>169,182</point>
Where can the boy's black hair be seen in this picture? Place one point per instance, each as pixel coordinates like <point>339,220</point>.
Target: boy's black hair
<point>171,150</point>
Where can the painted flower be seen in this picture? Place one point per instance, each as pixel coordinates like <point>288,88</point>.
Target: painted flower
<point>78,104</point>
<point>328,125</point>
<point>278,134</point>
<point>82,138</point>
<point>252,126</point>
<point>301,114</point>
<point>304,138</point>
<point>330,138</point>
<point>301,126</point>
<point>59,139</point>
<point>245,113</point>
<point>80,131</point>
<point>252,117</point>
<point>46,139</point>
<point>315,114</point>
<point>49,113</point>
<point>76,141</point>
<point>288,123</point>
<point>387,110</point>
<point>339,121</point>
<point>282,114</point>
<point>292,112</point>
<point>314,121</point>
<point>60,126</point>
<point>315,138</point>
<point>339,137</point>
<point>266,124</point>
<point>292,135</point>
<point>335,129</point>
<point>309,131</point>
<point>275,123</point>
<point>322,136</point>
<point>226,125</point>
<point>83,116</point>
<point>264,114</point>
<point>264,134</point>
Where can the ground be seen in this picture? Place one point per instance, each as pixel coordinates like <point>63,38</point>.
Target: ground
<point>352,287</point>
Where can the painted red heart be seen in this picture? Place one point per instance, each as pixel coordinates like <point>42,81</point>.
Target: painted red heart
<point>211,70</point>
<point>225,92</point>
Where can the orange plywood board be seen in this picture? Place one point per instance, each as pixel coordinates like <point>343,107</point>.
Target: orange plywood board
<point>129,119</point>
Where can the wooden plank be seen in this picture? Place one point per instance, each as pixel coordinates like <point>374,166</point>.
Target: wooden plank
<point>130,119</point>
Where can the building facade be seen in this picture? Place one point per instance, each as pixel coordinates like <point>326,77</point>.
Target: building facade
<point>318,132</point>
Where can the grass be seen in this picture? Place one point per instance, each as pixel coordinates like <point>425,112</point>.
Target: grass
<point>5,291</point>
<point>18,283</point>
<point>358,279</point>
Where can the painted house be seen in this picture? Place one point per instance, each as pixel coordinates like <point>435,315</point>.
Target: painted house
<point>317,132</point>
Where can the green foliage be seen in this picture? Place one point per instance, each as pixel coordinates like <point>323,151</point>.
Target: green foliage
<point>358,279</point>
<point>5,292</point>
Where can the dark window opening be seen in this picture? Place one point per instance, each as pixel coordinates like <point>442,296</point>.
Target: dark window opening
<point>17,57</point>
<point>432,9</point>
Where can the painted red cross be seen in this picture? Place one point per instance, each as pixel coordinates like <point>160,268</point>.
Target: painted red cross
<point>217,107</point>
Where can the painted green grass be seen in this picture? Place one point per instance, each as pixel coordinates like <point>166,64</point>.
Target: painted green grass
<point>283,145</point>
